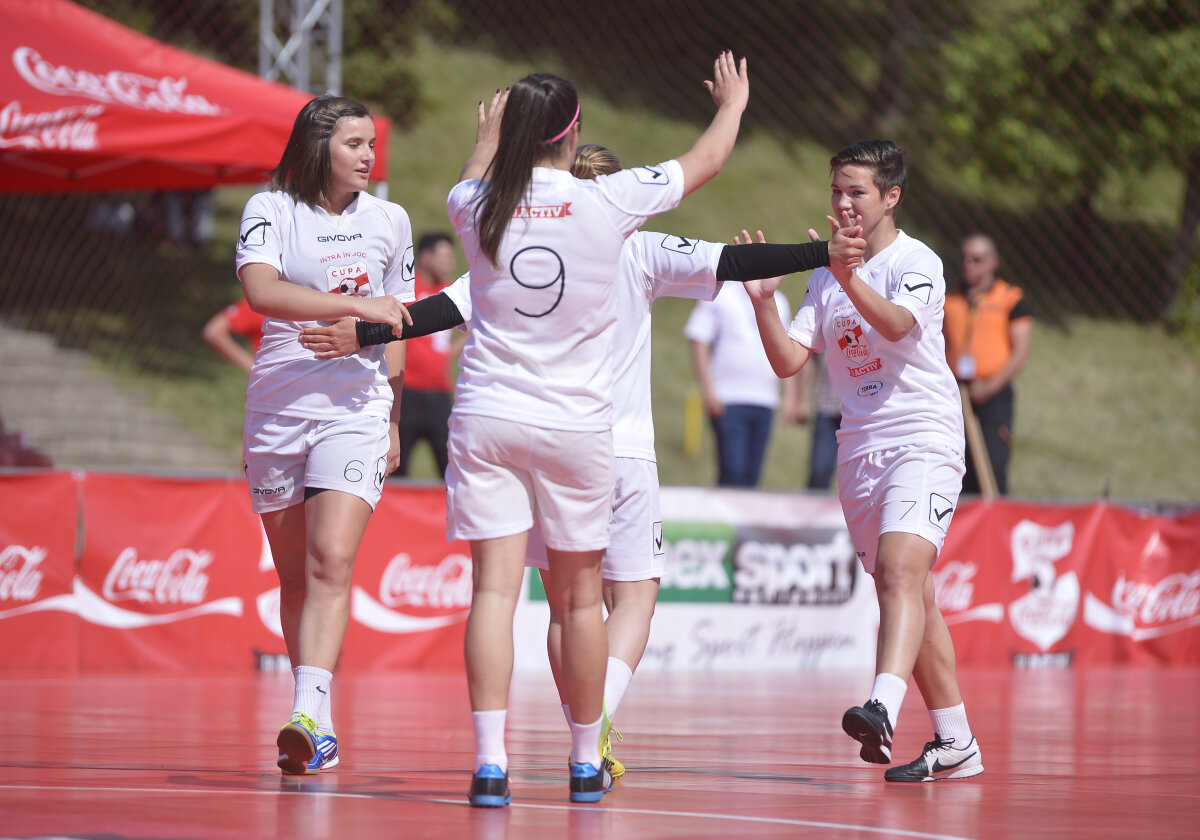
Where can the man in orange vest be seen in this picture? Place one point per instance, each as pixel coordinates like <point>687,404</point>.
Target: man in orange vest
<point>989,331</point>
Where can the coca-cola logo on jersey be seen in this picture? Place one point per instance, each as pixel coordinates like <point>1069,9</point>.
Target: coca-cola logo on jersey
<point>446,585</point>
<point>167,95</point>
<point>180,579</point>
<point>20,577</point>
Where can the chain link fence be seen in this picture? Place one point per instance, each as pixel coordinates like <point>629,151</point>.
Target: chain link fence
<point>1069,132</point>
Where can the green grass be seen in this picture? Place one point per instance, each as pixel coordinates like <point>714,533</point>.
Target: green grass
<point>1104,408</point>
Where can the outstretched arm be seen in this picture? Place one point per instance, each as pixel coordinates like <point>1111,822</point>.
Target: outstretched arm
<point>890,320</point>
<point>487,138</point>
<point>730,89</point>
<point>785,355</point>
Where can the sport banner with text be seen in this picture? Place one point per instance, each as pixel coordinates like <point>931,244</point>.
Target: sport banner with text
<point>126,572</point>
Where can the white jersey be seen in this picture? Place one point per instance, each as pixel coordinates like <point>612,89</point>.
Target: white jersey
<point>893,393</point>
<point>543,318</point>
<point>653,265</point>
<point>366,251</point>
<point>738,365</point>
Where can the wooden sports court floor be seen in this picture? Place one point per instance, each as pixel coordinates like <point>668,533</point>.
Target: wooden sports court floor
<point>1090,753</point>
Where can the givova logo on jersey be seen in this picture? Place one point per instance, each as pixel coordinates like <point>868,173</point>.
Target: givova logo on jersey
<point>351,280</point>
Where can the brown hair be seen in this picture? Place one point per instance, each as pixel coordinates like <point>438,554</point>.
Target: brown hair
<point>539,107</point>
<point>882,156</point>
<point>592,161</point>
<point>304,171</point>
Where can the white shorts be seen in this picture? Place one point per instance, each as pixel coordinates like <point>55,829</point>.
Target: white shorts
<point>635,549</point>
<point>912,489</point>
<point>285,455</point>
<point>505,476</point>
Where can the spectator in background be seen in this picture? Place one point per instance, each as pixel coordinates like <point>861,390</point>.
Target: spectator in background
<point>222,331</point>
<point>989,332</point>
<point>427,398</point>
<point>739,389</point>
<point>826,420</point>
<point>15,452</point>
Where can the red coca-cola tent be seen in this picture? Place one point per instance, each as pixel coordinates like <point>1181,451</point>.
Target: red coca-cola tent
<point>89,105</point>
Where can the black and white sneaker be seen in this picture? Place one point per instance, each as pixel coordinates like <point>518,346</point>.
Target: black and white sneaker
<point>939,762</point>
<point>869,725</point>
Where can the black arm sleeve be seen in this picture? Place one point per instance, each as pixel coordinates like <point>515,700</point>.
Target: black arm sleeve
<point>758,260</point>
<point>432,314</point>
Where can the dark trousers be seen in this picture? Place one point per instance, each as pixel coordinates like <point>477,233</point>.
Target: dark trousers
<point>823,463</point>
<point>996,420</point>
<point>424,415</point>
<point>742,434</point>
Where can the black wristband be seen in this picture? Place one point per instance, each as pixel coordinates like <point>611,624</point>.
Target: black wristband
<point>759,260</point>
<point>432,314</point>
<point>371,333</point>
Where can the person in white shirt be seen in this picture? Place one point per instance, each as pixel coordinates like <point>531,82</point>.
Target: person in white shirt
<point>739,389</point>
<point>531,431</point>
<point>320,435</point>
<point>900,447</point>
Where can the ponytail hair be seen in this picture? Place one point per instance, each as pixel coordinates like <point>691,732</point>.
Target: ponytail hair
<point>538,117</point>
<point>592,161</point>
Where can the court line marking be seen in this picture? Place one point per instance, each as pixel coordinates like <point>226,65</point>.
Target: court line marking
<point>649,812</point>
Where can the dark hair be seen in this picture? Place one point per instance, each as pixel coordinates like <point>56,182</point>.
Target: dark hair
<point>539,107</point>
<point>882,156</point>
<point>304,170</point>
<point>592,161</point>
<point>432,239</point>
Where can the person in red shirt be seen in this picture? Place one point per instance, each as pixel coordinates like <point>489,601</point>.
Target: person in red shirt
<point>427,398</point>
<point>222,329</point>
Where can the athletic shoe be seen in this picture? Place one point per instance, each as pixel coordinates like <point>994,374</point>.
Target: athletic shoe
<point>869,725</point>
<point>297,744</point>
<point>325,758</point>
<point>938,762</point>
<point>587,783</point>
<point>489,788</point>
<point>616,768</point>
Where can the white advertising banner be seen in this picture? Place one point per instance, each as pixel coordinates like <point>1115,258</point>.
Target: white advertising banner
<point>754,580</point>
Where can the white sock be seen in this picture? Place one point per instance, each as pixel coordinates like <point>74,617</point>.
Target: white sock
<point>585,743</point>
<point>616,680</point>
<point>890,690</point>
<point>489,738</point>
<point>567,714</point>
<point>951,725</point>
<point>312,696</point>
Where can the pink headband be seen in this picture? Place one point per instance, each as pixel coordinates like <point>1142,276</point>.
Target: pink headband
<point>563,133</point>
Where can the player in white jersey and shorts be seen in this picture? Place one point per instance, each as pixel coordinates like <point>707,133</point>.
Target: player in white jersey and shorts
<point>900,447</point>
<point>320,435</point>
<point>530,435</point>
<point>652,265</point>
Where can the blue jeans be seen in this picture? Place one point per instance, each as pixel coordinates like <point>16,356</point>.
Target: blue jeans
<point>742,435</point>
<point>823,463</point>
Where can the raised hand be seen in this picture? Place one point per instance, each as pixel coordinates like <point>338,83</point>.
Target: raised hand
<point>849,244</point>
<point>487,137</point>
<point>730,85</point>
<point>846,246</point>
<point>757,289</point>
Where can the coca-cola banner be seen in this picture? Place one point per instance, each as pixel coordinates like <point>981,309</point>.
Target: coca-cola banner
<point>166,573</point>
<point>38,530</point>
<point>104,572</point>
<point>1060,585</point>
<point>412,589</point>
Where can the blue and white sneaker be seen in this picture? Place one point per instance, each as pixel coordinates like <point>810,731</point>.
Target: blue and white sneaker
<point>297,742</point>
<point>869,725</point>
<point>588,783</point>
<point>489,788</point>
<point>940,761</point>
